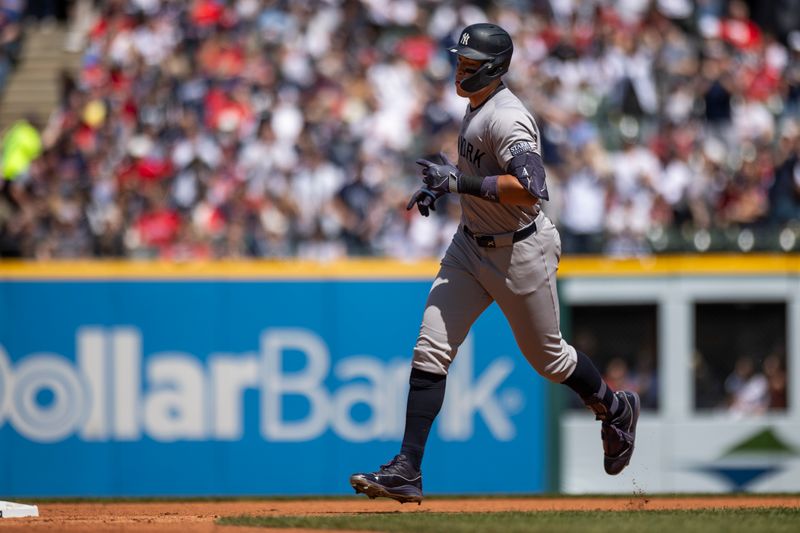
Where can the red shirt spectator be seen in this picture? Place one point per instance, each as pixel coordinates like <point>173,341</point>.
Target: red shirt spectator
<point>206,13</point>
<point>738,29</point>
<point>158,227</point>
<point>417,50</point>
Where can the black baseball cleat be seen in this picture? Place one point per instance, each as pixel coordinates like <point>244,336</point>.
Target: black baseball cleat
<point>619,434</point>
<point>397,479</point>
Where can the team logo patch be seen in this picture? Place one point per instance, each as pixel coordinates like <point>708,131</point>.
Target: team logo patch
<point>465,39</point>
<point>522,147</point>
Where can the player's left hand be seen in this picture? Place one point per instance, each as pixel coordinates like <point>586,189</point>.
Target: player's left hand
<point>441,176</point>
<point>425,199</point>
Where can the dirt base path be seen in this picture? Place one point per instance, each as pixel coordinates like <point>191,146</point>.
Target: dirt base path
<point>137,517</point>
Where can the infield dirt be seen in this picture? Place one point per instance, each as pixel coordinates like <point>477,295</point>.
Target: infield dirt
<point>200,516</point>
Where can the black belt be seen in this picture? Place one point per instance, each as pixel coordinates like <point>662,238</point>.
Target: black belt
<point>505,239</point>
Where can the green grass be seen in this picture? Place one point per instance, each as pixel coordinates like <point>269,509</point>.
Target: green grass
<point>777,520</point>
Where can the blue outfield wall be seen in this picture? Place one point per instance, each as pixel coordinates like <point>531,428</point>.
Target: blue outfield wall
<point>224,387</point>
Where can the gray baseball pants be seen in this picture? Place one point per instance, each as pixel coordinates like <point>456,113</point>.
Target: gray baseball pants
<point>520,277</point>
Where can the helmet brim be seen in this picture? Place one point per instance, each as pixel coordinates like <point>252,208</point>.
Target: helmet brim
<point>470,53</point>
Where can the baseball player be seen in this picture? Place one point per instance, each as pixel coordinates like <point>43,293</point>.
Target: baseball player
<point>506,251</point>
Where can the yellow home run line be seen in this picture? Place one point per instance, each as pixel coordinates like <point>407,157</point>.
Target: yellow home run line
<point>228,270</point>
<point>682,265</point>
<point>377,269</point>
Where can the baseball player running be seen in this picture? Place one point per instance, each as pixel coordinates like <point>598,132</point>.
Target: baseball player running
<point>506,251</point>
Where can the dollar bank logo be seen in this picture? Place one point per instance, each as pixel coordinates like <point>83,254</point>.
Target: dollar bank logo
<point>758,456</point>
<point>111,392</point>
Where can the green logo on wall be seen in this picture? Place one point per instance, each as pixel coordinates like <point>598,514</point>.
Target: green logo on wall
<point>760,455</point>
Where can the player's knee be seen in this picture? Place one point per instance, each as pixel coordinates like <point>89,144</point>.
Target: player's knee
<point>432,353</point>
<point>557,364</point>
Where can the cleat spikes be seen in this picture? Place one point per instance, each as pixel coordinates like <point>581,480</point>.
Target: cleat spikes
<point>397,480</point>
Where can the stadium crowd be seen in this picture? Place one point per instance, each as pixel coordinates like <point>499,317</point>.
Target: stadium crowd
<point>276,128</point>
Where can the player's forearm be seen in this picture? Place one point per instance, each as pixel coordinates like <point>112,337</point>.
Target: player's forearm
<point>523,185</point>
<point>511,191</point>
<point>504,189</point>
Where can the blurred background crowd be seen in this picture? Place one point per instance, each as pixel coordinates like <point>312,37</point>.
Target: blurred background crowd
<point>270,128</point>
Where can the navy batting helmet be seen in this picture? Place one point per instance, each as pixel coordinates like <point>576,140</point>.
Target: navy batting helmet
<point>488,43</point>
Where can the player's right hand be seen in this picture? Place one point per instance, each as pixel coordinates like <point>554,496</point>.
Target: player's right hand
<point>439,174</point>
<point>425,199</point>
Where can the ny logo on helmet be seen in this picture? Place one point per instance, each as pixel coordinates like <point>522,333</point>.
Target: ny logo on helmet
<point>465,39</point>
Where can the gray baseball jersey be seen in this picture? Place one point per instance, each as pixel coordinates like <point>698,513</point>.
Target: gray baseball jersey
<point>520,276</point>
<point>490,137</point>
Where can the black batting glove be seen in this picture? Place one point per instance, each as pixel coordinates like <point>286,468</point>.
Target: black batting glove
<point>425,201</point>
<point>438,177</point>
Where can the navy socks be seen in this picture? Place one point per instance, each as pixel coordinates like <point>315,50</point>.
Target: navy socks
<point>425,398</point>
<point>595,393</point>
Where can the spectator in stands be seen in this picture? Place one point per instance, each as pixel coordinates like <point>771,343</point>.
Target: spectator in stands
<point>585,196</point>
<point>21,144</point>
<point>639,376</point>
<point>11,37</point>
<point>791,76</point>
<point>645,376</point>
<point>775,372</point>
<point>356,202</point>
<point>784,191</point>
<point>42,10</point>
<point>746,389</point>
<point>618,376</point>
<point>708,386</point>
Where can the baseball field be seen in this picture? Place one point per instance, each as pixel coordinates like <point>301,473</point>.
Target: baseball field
<point>725,513</point>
